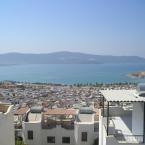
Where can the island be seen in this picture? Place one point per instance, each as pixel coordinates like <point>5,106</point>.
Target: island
<point>137,75</point>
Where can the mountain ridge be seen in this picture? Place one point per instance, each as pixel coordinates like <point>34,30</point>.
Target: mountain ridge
<point>65,57</point>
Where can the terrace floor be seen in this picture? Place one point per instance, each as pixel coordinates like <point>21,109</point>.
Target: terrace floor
<point>123,125</point>
<point>123,130</point>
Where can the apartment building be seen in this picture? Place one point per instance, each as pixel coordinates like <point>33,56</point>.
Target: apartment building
<point>58,126</point>
<point>6,125</point>
<point>122,118</point>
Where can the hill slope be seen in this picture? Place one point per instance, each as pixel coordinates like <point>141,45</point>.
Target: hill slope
<point>65,58</point>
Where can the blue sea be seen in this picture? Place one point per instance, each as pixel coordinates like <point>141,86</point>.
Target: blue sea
<point>70,73</point>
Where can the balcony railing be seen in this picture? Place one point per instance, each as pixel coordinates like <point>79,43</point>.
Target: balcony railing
<point>129,138</point>
<point>67,125</point>
<point>18,126</point>
<point>50,124</point>
<point>124,138</point>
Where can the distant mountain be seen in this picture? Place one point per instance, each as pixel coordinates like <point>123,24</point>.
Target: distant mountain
<point>65,58</point>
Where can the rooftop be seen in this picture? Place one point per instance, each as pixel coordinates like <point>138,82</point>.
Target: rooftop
<point>122,96</point>
<point>22,111</point>
<point>60,111</point>
<point>86,118</point>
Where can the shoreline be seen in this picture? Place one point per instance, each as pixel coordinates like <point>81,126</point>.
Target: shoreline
<point>61,84</point>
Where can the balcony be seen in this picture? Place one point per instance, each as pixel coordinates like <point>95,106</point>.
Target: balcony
<point>67,125</point>
<point>18,125</point>
<point>53,122</point>
<point>120,127</point>
<point>122,138</point>
<point>58,117</point>
<point>48,123</point>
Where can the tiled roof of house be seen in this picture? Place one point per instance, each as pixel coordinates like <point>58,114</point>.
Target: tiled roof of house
<point>60,111</point>
<point>22,111</point>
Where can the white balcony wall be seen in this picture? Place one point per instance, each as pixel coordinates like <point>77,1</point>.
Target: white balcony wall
<point>137,118</point>
<point>7,128</point>
<point>58,133</point>
<point>36,128</point>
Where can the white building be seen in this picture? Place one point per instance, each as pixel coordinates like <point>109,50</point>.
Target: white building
<point>6,125</point>
<point>61,127</point>
<point>122,119</point>
<point>19,116</point>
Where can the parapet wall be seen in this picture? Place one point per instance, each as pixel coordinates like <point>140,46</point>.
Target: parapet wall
<point>4,108</point>
<point>6,125</point>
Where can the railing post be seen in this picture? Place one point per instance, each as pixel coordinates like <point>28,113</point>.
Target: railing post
<point>103,106</point>
<point>107,118</point>
<point>130,138</point>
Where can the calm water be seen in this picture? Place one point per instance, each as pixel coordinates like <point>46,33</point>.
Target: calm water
<point>71,73</point>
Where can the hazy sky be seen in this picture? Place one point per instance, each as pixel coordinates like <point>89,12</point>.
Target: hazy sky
<point>115,27</point>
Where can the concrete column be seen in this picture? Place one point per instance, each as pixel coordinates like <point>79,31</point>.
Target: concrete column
<point>138,118</point>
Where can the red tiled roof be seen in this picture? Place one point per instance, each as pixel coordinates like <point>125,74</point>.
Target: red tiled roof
<point>61,111</point>
<point>21,111</point>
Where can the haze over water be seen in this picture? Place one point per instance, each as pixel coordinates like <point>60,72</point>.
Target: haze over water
<point>71,73</point>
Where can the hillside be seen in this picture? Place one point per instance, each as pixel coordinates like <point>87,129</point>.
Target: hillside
<point>65,58</point>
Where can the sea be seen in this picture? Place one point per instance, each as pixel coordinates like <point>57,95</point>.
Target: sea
<point>71,73</point>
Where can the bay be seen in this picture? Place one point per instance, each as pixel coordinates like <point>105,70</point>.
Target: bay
<point>71,73</point>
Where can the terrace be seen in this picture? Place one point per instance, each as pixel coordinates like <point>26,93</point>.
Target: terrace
<point>121,128</point>
<point>63,117</point>
<point>121,115</point>
<point>19,116</point>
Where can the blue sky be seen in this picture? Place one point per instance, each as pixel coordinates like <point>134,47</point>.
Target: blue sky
<point>114,27</point>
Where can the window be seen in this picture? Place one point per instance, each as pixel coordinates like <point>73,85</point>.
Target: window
<point>30,134</point>
<point>50,139</point>
<point>84,136</point>
<point>96,128</point>
<point>65,139</point>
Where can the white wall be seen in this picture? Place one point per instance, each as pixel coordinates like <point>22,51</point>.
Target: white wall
<point>7,128</point>
<point>36,128</point>
<point>102,130</point>
<point>58,133</point>
<point>89,128</point>
<point>40,135</point>
<point>137,118</point>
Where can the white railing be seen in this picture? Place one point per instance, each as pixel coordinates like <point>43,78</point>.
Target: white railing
<point>129,138</point>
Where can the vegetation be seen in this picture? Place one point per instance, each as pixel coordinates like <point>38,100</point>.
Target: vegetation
<point>19,142</point>
<point>103,84</point>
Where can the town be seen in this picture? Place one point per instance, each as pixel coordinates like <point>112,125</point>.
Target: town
<point>40,114</point>
<point>55,95</point>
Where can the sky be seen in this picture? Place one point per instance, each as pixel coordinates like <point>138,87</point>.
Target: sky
<point>103,27</point>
